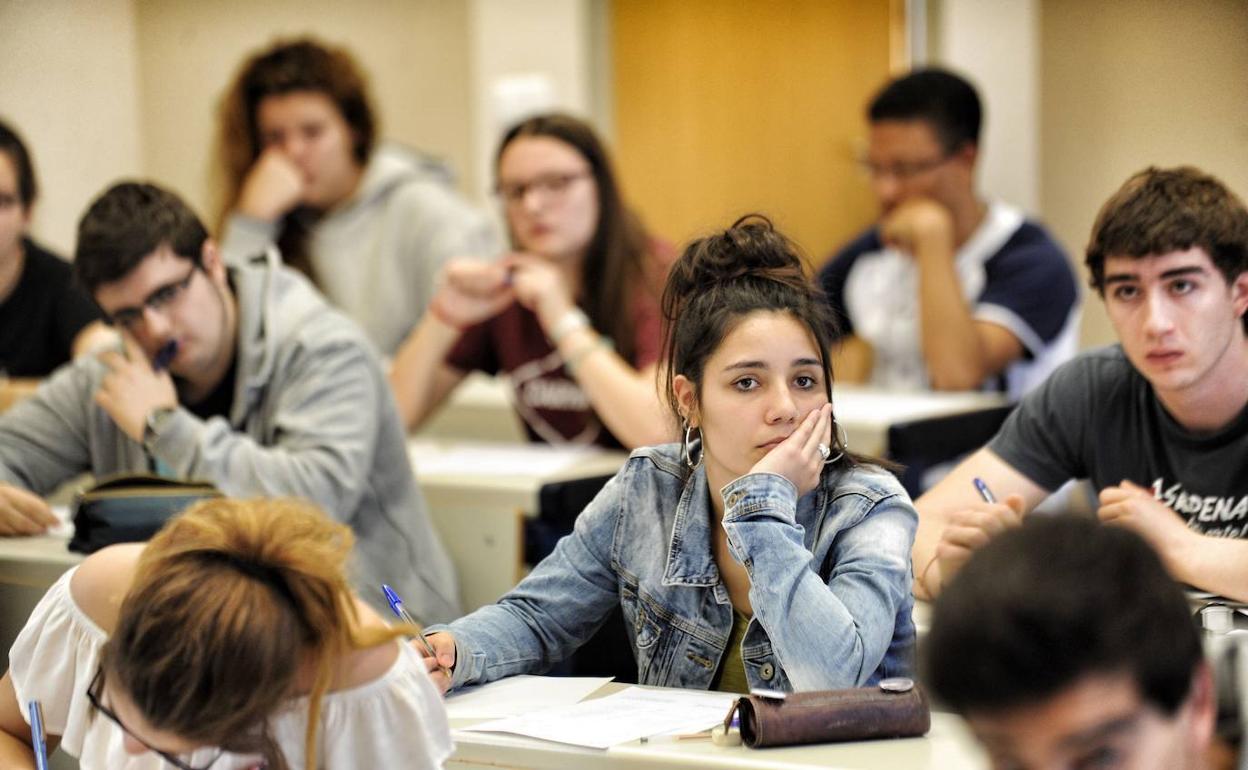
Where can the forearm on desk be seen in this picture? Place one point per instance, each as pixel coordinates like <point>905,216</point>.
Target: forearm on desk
<point>1215,564</point>
<point>624,398</point>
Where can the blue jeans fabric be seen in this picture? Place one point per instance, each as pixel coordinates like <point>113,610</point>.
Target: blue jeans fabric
<point>830,581</point>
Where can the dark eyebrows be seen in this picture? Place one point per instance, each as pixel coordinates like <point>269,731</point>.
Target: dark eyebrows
<point>1122,724</point>
<point>1175,273</point>
<point>763,364</point>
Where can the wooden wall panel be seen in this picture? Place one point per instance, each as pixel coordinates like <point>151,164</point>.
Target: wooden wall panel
<point>727,106</point>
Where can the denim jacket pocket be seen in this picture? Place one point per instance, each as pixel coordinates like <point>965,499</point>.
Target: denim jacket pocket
<point>646,626</point>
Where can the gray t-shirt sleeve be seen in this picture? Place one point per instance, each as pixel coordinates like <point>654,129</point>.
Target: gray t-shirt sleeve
<point>1046,437</point>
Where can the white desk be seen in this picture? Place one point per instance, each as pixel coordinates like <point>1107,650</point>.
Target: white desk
<point>479,511</point>
<point>867,414</point>
<point>948,746</point>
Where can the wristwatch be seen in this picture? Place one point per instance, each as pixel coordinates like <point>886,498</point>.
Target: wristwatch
<point>156,421</point>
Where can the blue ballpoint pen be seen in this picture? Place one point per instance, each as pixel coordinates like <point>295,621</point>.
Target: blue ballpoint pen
<point>984,491</point>
<point>38,742</point>
<point>396,606</point>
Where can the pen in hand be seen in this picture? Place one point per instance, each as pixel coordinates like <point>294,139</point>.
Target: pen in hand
<point>984,491</point>
<point>396,606</point>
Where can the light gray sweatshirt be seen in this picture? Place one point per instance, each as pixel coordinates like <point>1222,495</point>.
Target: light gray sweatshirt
<point>377,255</point>
<point>313,417</point>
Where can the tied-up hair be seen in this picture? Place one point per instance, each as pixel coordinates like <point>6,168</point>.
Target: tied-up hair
<point>722,278</point>
<point>230,602</point>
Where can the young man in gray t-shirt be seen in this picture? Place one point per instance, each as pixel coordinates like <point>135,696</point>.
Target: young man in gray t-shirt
<point>1158,422</point>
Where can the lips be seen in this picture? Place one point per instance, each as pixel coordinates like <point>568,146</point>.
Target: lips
<point>1163,357</point>
<point>773,443</point>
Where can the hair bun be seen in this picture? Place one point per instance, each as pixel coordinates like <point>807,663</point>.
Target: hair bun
<point>752,249</point>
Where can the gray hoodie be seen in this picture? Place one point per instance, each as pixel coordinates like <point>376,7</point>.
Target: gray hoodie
<point>312,417</point>
<point>376,256</point>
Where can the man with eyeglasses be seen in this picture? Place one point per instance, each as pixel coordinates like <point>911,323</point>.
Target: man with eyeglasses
<point>241,376</point>
<point>946,291</point>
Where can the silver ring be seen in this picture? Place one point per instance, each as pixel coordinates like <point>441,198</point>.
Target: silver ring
<point>825,451</point>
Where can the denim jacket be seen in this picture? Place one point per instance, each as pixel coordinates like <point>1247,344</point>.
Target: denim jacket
<point>829,581</point>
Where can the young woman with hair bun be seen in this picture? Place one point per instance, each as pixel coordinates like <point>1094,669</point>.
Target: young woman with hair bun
<point>230,640</point>
<point>758,552</point>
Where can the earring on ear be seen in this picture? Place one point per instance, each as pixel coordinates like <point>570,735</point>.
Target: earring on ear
<point>687,447</point>
<point>842,444</point>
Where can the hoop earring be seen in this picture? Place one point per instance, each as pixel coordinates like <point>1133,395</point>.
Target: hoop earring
<point>686,450</point>
<point>842,443</point>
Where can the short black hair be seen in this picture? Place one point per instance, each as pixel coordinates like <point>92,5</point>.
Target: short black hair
<point>1055,600</point>
<point>12,145</point>
<point>944,100</point>
<point>125,224</point>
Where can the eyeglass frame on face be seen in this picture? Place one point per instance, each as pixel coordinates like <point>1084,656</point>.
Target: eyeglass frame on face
<point>97,684</point>
<point>904,171</point>
<point>549,186</point>
<point>160,298</point>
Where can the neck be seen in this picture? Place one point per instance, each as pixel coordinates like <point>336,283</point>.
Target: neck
<point>11,271</point>
<point>968,215</point>
<point>1218,398</point>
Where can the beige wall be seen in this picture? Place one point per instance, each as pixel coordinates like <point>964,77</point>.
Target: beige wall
<point>69,84</point>
<point>415,53</point>
<point>1128,84</point>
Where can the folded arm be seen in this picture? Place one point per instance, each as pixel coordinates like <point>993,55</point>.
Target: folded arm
<point>831,633</point>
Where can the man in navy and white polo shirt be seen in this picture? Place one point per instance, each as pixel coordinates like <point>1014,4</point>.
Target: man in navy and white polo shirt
<point>947,291</point>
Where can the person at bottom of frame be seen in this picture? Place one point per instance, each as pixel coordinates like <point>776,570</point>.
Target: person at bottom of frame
<point>762,554</point>
<point>230,640</point>
<point>1064,643</point>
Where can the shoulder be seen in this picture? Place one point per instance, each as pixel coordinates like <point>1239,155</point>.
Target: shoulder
<point>1106,366</point>
<point>100,583</point>
<point>1031,251</point>
<point>663,461</point>
<point>836,269</point>
<point>43,262</point>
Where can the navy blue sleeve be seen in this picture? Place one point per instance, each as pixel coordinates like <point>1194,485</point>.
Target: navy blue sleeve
<point>1031,278</point>
<point>834,274</point>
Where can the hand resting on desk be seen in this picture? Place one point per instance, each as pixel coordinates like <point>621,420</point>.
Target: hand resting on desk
<point>444,645</point>
<point>23,513</point>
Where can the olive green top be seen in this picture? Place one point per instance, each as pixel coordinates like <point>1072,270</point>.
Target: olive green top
<point>731,674</point>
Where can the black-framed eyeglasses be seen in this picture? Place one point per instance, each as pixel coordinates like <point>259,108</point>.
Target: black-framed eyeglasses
<point>163,296</point>
<point>94,693</point>
<point>548,185</point>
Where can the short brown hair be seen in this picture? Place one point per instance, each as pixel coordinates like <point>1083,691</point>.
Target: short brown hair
<point>1159,211</point>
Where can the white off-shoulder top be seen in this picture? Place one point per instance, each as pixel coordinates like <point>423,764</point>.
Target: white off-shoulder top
<point>396,720</point>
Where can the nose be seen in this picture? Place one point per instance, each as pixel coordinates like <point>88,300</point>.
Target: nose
<point>532,199</point>
<point>887,189</point>
<point>782,407</point>
<point>1158,322</point>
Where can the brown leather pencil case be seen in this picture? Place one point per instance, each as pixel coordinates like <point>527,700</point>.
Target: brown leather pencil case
<point>896,708</point>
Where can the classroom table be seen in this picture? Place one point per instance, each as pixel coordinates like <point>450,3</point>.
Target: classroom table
<point>948,746</point>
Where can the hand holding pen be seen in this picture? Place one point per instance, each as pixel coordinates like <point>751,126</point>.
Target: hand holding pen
<point>968,530</point>
<point>433,657</point>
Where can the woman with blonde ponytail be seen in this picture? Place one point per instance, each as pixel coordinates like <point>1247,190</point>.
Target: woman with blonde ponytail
<point>230,640</point>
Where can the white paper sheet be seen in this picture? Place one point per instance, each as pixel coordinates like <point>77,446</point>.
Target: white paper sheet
<point>486,460</point>
<point>520,695</point>
<point>65,527</point>
<point>626,716</point>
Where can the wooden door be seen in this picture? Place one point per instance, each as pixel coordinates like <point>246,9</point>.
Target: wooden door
<point>723,107</point>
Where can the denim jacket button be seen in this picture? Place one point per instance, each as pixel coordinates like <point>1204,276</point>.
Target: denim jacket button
<point>766,671</point>
<point>734,498</point>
